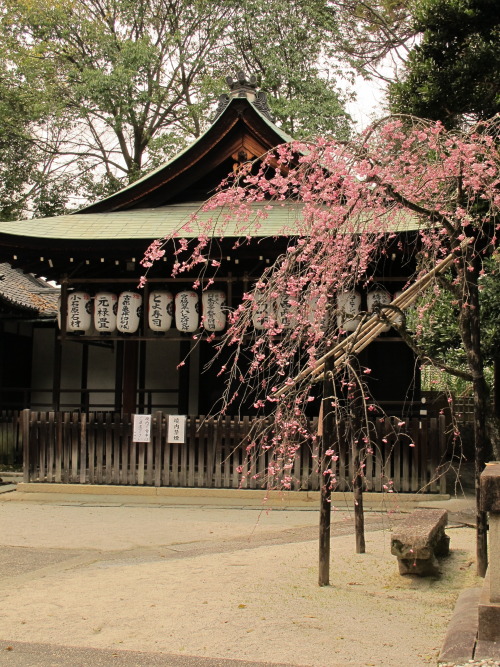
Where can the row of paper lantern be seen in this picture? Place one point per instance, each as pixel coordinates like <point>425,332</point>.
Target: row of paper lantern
<point>349,307</point>
<point>280,314</point>
<point>110,312</point>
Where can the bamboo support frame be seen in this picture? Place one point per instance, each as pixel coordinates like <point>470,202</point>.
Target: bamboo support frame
<point>370,329</point>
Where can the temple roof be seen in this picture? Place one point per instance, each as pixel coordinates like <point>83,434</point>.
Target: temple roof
<point>119,228</point>
<point>240,132</point>
<point>23,291</point>
<point>151,223</point>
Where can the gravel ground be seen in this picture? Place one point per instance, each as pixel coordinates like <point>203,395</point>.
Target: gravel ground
<point>222,583</point>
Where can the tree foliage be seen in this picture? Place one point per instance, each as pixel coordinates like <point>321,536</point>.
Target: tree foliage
<point>121,86</point>
<point>434,322</point>
<point>372,31</point>
<point>25,165</point>
<point>454,71</point>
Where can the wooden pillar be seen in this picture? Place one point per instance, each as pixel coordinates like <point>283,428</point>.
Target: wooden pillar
<point>184,349</point>
<point>130,360</point>
<point>25,434</point>
<point>84,397</point>
<point>142,376</point>
<point>58,341</point>
<point>118,375</point>
<point>56,377</point>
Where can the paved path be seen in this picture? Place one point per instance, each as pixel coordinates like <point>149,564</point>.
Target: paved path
<point>22,654</point>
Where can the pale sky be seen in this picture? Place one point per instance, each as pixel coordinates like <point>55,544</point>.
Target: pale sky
<point>369,102</point>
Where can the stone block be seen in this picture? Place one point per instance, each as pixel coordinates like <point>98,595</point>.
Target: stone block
<point>490,487</point>
<point>460,638</point>
<point>488,615</point>
<point>418,540</point>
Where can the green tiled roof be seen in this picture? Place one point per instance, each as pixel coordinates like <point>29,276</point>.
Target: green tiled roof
<point>163,221</point>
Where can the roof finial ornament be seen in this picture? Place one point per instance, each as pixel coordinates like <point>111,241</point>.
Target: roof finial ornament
<point>241,87</point>
<point>244,87</point>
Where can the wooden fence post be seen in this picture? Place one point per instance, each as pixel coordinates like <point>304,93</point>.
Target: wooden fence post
<point>25,430</point>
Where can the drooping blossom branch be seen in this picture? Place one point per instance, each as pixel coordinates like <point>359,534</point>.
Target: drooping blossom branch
<point>405,185</point>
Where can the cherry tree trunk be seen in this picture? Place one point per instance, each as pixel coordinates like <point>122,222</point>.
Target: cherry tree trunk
<point>469,323</point>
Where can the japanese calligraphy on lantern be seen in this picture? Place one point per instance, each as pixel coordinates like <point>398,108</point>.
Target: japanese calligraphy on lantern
<point>141,428</point>
<point>79,312</point>
<point>161,310</point>
<point>214,317</point>
<point>186,311</point>
<point>105,309</point>
<point>129,312</point>
<point>376,298</point>
<point>176,432</point>
<point>264,313</point>
<point>348,303</point>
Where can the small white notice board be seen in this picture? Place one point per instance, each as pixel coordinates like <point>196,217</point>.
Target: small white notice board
<point>176,428</point>
<point>141,428</point>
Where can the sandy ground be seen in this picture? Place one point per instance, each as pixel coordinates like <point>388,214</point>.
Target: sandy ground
<point>215,582</point>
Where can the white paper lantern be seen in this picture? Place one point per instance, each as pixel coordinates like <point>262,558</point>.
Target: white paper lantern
<point>378,297</point>
<point>161,310</point>
<point>79,318</point>
<point>105,311</point>
<point>348,305</point>
<point>128,317</point>
<point>214,315</point>
<point>187,310</point>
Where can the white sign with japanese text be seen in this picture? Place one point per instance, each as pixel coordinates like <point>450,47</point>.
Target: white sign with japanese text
<point>142,428</point>
<point>176,429</point>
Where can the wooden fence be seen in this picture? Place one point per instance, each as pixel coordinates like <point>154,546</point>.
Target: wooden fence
<point>97,448</point>
<point>11,453</point>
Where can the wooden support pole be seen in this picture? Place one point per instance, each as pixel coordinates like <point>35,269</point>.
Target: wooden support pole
<point>325,479</point>
<point>184,348</point>
<point>56,378</point>
<point>356,428</point>
<point>84,397</point>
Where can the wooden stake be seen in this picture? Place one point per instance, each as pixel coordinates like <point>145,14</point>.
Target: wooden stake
<point>325,481</point>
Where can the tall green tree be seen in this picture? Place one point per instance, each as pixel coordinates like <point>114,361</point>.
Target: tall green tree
<point>26,152</point>
<point>374,32</point>
<point>293,54</point>
<point>125,84</point>
<point>453,74</point>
